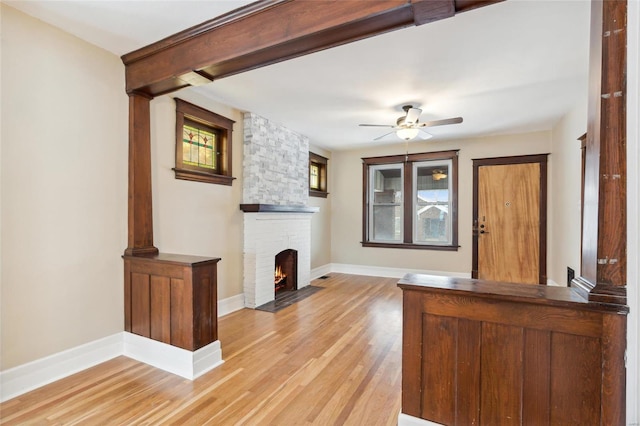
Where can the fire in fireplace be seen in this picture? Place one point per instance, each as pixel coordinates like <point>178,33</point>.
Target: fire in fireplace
<point>286,271</point>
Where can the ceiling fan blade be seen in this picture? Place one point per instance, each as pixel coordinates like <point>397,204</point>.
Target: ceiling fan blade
<point>380,137</point>
<point>434,123</point>
<point>376,125</point>
<point>412,115</point>
<point>425,135</point>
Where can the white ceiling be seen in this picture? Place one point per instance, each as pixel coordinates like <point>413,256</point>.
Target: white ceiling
<point>511,67</point>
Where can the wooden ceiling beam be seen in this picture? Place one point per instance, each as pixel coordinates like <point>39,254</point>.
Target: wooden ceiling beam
<point>267,32</point>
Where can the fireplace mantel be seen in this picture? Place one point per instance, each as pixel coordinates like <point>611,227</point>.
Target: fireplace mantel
<point>277,208</point>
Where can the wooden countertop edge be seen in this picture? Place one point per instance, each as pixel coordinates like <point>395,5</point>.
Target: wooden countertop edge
<point>522,293</point>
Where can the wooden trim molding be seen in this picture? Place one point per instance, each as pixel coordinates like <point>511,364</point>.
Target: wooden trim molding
<point>604,233</point>
<point>215,123</point>
<point>405,163</point>
<point>240,41</point>
<point>277,208</point>
<point>140,219</point>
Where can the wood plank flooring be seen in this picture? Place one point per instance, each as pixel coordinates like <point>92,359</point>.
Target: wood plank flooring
<point>331,359</point>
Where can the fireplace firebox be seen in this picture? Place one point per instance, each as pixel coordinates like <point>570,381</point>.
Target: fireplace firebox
<point>286,272</point>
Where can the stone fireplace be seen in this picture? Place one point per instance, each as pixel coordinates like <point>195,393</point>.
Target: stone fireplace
<point>276,216</point>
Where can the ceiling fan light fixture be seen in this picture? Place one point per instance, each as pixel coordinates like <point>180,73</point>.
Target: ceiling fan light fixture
<point>407,133</point>
<point>438,175</point>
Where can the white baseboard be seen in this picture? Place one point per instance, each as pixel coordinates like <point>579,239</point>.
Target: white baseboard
<point>381,271</point>
<point>190,365</point>
<point>320,271</point>
<point>32,375</point>
<point>181,362</point>
<point>230,304</point>
<point>407,420</point>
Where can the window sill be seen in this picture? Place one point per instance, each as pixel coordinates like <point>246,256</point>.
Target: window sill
<point>316,193</point>
<point>410,246</point>
<point>196,176</point>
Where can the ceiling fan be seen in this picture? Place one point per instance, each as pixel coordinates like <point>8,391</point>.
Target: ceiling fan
<point>408,126</point>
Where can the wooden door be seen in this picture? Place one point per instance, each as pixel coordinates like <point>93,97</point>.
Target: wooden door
<point>510,219</point>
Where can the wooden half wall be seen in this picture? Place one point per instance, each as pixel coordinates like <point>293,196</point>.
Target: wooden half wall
<point>477,352</point>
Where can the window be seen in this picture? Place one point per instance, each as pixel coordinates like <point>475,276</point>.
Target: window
<point>317,175</point>
<point>411,201</point>
<point>203,145</point>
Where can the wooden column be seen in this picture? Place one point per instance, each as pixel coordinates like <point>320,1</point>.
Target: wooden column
<point>604,268</point>
<point>140,235</point>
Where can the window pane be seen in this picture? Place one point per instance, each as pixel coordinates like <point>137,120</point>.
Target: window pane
<point>314,176</point>
<point>387,223</point>
<point>386,203</point>
<point>432,207</point>
<point>198,146</point>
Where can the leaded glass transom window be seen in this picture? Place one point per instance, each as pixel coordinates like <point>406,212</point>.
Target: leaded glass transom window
<point>203,145</point>
<point>317,175</point>
<point>199,145</point>
<point>314,176</point>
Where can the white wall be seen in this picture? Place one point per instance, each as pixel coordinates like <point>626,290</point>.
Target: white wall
<point>565,171</point>
<point>346,225</point>
<point>197,218</point>
<point>64,190</point>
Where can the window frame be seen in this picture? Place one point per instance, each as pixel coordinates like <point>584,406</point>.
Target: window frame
<point>222,126</point>
<point>322,163</point>
<point>407,163</point>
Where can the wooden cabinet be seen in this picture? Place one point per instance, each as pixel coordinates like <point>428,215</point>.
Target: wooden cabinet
<point>172,299</point>
<point>478,352</point>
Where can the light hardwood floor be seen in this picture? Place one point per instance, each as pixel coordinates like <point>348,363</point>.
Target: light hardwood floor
<point>331,359</point>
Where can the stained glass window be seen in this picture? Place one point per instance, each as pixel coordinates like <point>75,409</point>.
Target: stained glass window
<point>314,176</point>
<point>203,145</point>
<point>317,175</point>
<point>198,146</point>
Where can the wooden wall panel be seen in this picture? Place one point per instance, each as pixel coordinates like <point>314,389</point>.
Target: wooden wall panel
<point>140,305</point>
<point>468,374</point>
<point>160,309</point>
<point>181,314</point>
<point>575,388</point>
<point>439,368</point>
<point>527,316</point>
<point>536,376</point>
<point>205,307</point>
<point>411,353</point>
<point>614,331</point>
<point>501,375</point>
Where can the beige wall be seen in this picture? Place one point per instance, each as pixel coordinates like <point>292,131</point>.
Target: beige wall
<point>63,211</point>
<point>346,225</point>
<point>192,217</point>
<point>565,170</point>
<point>64,190</point>
<point>321,221</point>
